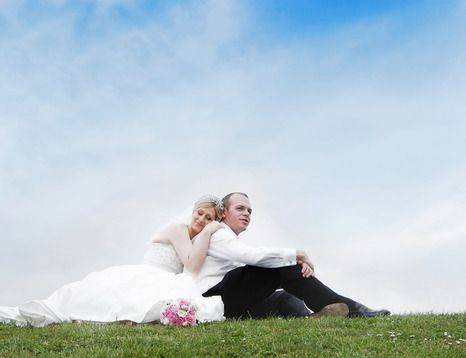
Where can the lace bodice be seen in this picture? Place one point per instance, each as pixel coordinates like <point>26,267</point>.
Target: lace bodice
<point>163,256</point>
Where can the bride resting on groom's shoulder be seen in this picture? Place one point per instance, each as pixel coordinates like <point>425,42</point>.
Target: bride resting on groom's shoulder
<point>186,259</point>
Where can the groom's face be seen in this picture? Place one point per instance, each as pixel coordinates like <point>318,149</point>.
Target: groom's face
<point>238,213</point>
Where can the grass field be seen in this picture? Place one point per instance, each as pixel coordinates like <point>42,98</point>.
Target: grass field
<point>394,336</point>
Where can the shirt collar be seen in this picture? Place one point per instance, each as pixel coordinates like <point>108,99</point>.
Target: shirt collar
<point>229,229</point>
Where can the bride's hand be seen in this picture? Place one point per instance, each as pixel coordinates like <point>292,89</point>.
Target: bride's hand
<point>213,226</point>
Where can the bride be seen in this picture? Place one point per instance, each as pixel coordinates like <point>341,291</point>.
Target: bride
<point>136,293</point>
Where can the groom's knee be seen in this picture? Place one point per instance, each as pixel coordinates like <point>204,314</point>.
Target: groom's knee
<point>290,272</point>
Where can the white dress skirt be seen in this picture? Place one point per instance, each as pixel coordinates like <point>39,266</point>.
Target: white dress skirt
<point>137,293</point>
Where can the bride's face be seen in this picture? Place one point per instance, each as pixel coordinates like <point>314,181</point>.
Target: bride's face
<point>201,217</point>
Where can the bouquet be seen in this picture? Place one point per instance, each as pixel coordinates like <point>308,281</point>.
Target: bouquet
<point>179,313</point>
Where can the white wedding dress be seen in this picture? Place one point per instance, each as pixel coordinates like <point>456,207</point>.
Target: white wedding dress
<point>137,293</point>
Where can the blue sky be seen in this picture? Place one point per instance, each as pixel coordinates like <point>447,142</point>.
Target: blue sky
<point>314,17</point>
<point>344,121</point>
<point>280,19</point>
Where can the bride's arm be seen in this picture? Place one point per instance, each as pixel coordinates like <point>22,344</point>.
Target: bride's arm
<point>192,255</point>
<point>196,256</point>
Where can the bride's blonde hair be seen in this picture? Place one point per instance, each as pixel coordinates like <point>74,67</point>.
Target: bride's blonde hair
<point>210,201</point>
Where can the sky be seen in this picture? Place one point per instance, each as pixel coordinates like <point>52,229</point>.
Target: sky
<point>344,121</point>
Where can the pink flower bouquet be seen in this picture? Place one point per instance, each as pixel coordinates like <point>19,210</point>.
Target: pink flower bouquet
<point>179,313</point>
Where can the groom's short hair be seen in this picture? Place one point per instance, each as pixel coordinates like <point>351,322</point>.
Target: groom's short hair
<point>226,198</point>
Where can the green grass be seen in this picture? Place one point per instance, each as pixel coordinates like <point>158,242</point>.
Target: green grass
<point>395,336</point>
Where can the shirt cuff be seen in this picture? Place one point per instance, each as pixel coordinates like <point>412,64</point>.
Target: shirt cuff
<point>290,256</point>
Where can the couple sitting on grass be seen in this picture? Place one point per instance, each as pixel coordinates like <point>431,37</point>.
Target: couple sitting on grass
<point>202,261</point>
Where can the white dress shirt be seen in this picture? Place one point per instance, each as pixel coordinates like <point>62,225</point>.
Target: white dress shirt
<point>227,252</point>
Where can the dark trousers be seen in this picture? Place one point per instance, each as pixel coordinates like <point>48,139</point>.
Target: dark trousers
<point>243,288</point>
<point>279,304</point>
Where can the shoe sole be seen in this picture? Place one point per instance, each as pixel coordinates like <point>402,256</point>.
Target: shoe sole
<point>333,310</point>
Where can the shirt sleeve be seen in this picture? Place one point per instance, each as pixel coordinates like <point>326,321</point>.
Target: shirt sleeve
<point>228,247</point>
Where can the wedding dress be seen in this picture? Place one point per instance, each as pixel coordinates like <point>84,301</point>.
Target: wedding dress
<point>137,293</point>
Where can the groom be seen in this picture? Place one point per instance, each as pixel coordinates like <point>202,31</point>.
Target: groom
<point>247,277</point>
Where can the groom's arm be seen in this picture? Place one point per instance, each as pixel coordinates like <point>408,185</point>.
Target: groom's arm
<point>224,245</point>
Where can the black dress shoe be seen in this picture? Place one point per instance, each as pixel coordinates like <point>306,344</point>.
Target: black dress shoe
<point>363,311</point>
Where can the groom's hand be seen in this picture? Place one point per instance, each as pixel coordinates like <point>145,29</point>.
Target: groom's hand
<point>302,259</point>
<point>306,270</point>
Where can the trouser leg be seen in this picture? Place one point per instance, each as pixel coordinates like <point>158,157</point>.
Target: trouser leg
<point>281,304</point>
<point>314,293</point>
<point>244,287</point>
